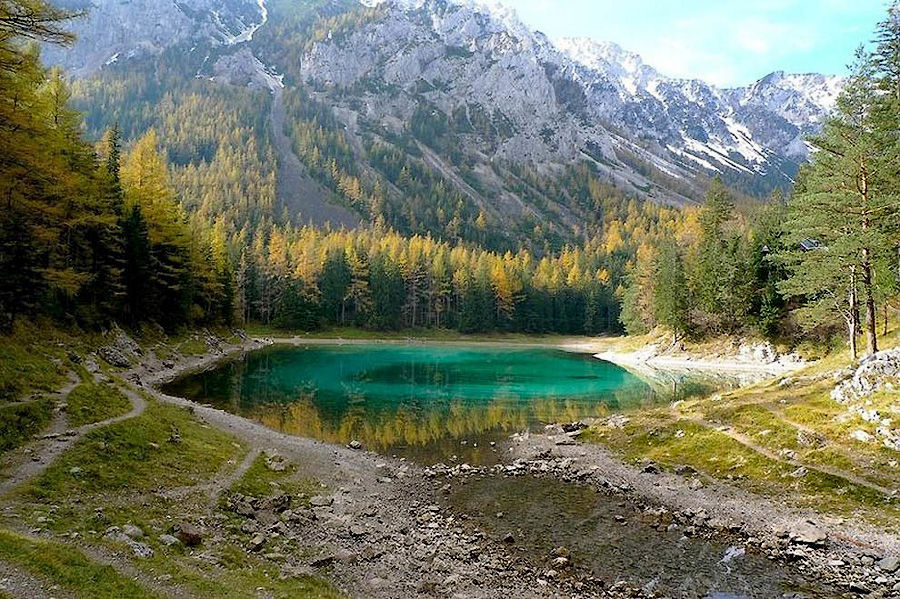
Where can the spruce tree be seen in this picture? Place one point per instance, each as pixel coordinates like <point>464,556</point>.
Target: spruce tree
<point>670,295</point>
<point>836,231</point>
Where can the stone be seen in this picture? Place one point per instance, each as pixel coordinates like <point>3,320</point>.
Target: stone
<point>187,533</point>
<point>509,538</point>
<point>174,435</point>
<point>358,530</point>
<point>141,550</point>
<point>889,564</point>
<point>242,507</point>
<point>276,463</point>
<point>807,533</point>
<point>257,542</point>
<point>862,436</point>
<point>132,531</point>
<point>168,540</point>
<point>249,527</point>
<point>114,357</point>
<point>276,504</point>
<point>321,501</point>
<point>323,562</point>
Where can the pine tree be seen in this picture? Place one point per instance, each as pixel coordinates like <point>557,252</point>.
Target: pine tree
<point>840,214</point>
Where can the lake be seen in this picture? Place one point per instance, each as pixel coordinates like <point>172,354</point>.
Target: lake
<point>429,402</point>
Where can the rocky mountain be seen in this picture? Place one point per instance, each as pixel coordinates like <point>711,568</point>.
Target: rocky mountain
<point>466,91</point>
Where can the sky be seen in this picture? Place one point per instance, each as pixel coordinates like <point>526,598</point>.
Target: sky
<point>725,42</point>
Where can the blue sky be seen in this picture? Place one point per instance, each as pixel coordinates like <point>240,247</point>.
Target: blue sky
<point>726,42</point>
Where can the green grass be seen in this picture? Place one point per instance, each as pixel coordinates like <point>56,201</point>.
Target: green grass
<point>192,347</point>
<point>19,422</point>
<point>136,455</point>
<point>27,363</point>
<point>68,568</point>
<point>688,443</point>
<point>89,403</point>
<point>259,481</point>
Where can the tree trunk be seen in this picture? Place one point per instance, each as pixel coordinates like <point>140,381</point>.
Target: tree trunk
<point>851,333</point>
<point>885,332</point>
<point>853,319</point>
<point>871,325</point>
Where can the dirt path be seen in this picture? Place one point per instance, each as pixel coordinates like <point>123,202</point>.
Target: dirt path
<point>33,459</point>
<point>770,454</point>
<point>221,482</point>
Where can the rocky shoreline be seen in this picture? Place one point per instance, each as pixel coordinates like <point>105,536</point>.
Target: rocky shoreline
<point>846,555</point>
<point>759,359</point>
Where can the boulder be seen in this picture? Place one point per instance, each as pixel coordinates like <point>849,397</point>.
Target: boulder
<point>168,540</point>
<point>113,357</point>
<point>321,501</point>
<point>889,564</point>
<point>807,533</point>
<point>132,531</point>
<point>187,533</point>
<point>276,463</point>
<point>141,549</point>
<point>257,542</point>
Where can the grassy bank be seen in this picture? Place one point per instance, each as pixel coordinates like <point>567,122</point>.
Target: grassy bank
<point>784,438</point>
<point>89,403</point>
<point>350,333</point>
<point>152,471</point>
<point>20,421</point>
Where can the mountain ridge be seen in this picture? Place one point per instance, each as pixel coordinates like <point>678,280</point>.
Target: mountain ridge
<point>467,91</point>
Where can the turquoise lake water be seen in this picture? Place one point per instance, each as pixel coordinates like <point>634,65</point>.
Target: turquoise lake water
<point>426,401</point>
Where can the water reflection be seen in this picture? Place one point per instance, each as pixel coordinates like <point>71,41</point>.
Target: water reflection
<point>423,401</point>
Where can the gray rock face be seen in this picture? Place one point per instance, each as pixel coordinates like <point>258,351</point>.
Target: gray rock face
<point>116,30</point>
<point>462,58</point>
<point>508,94</point>
<point>874,374</point>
